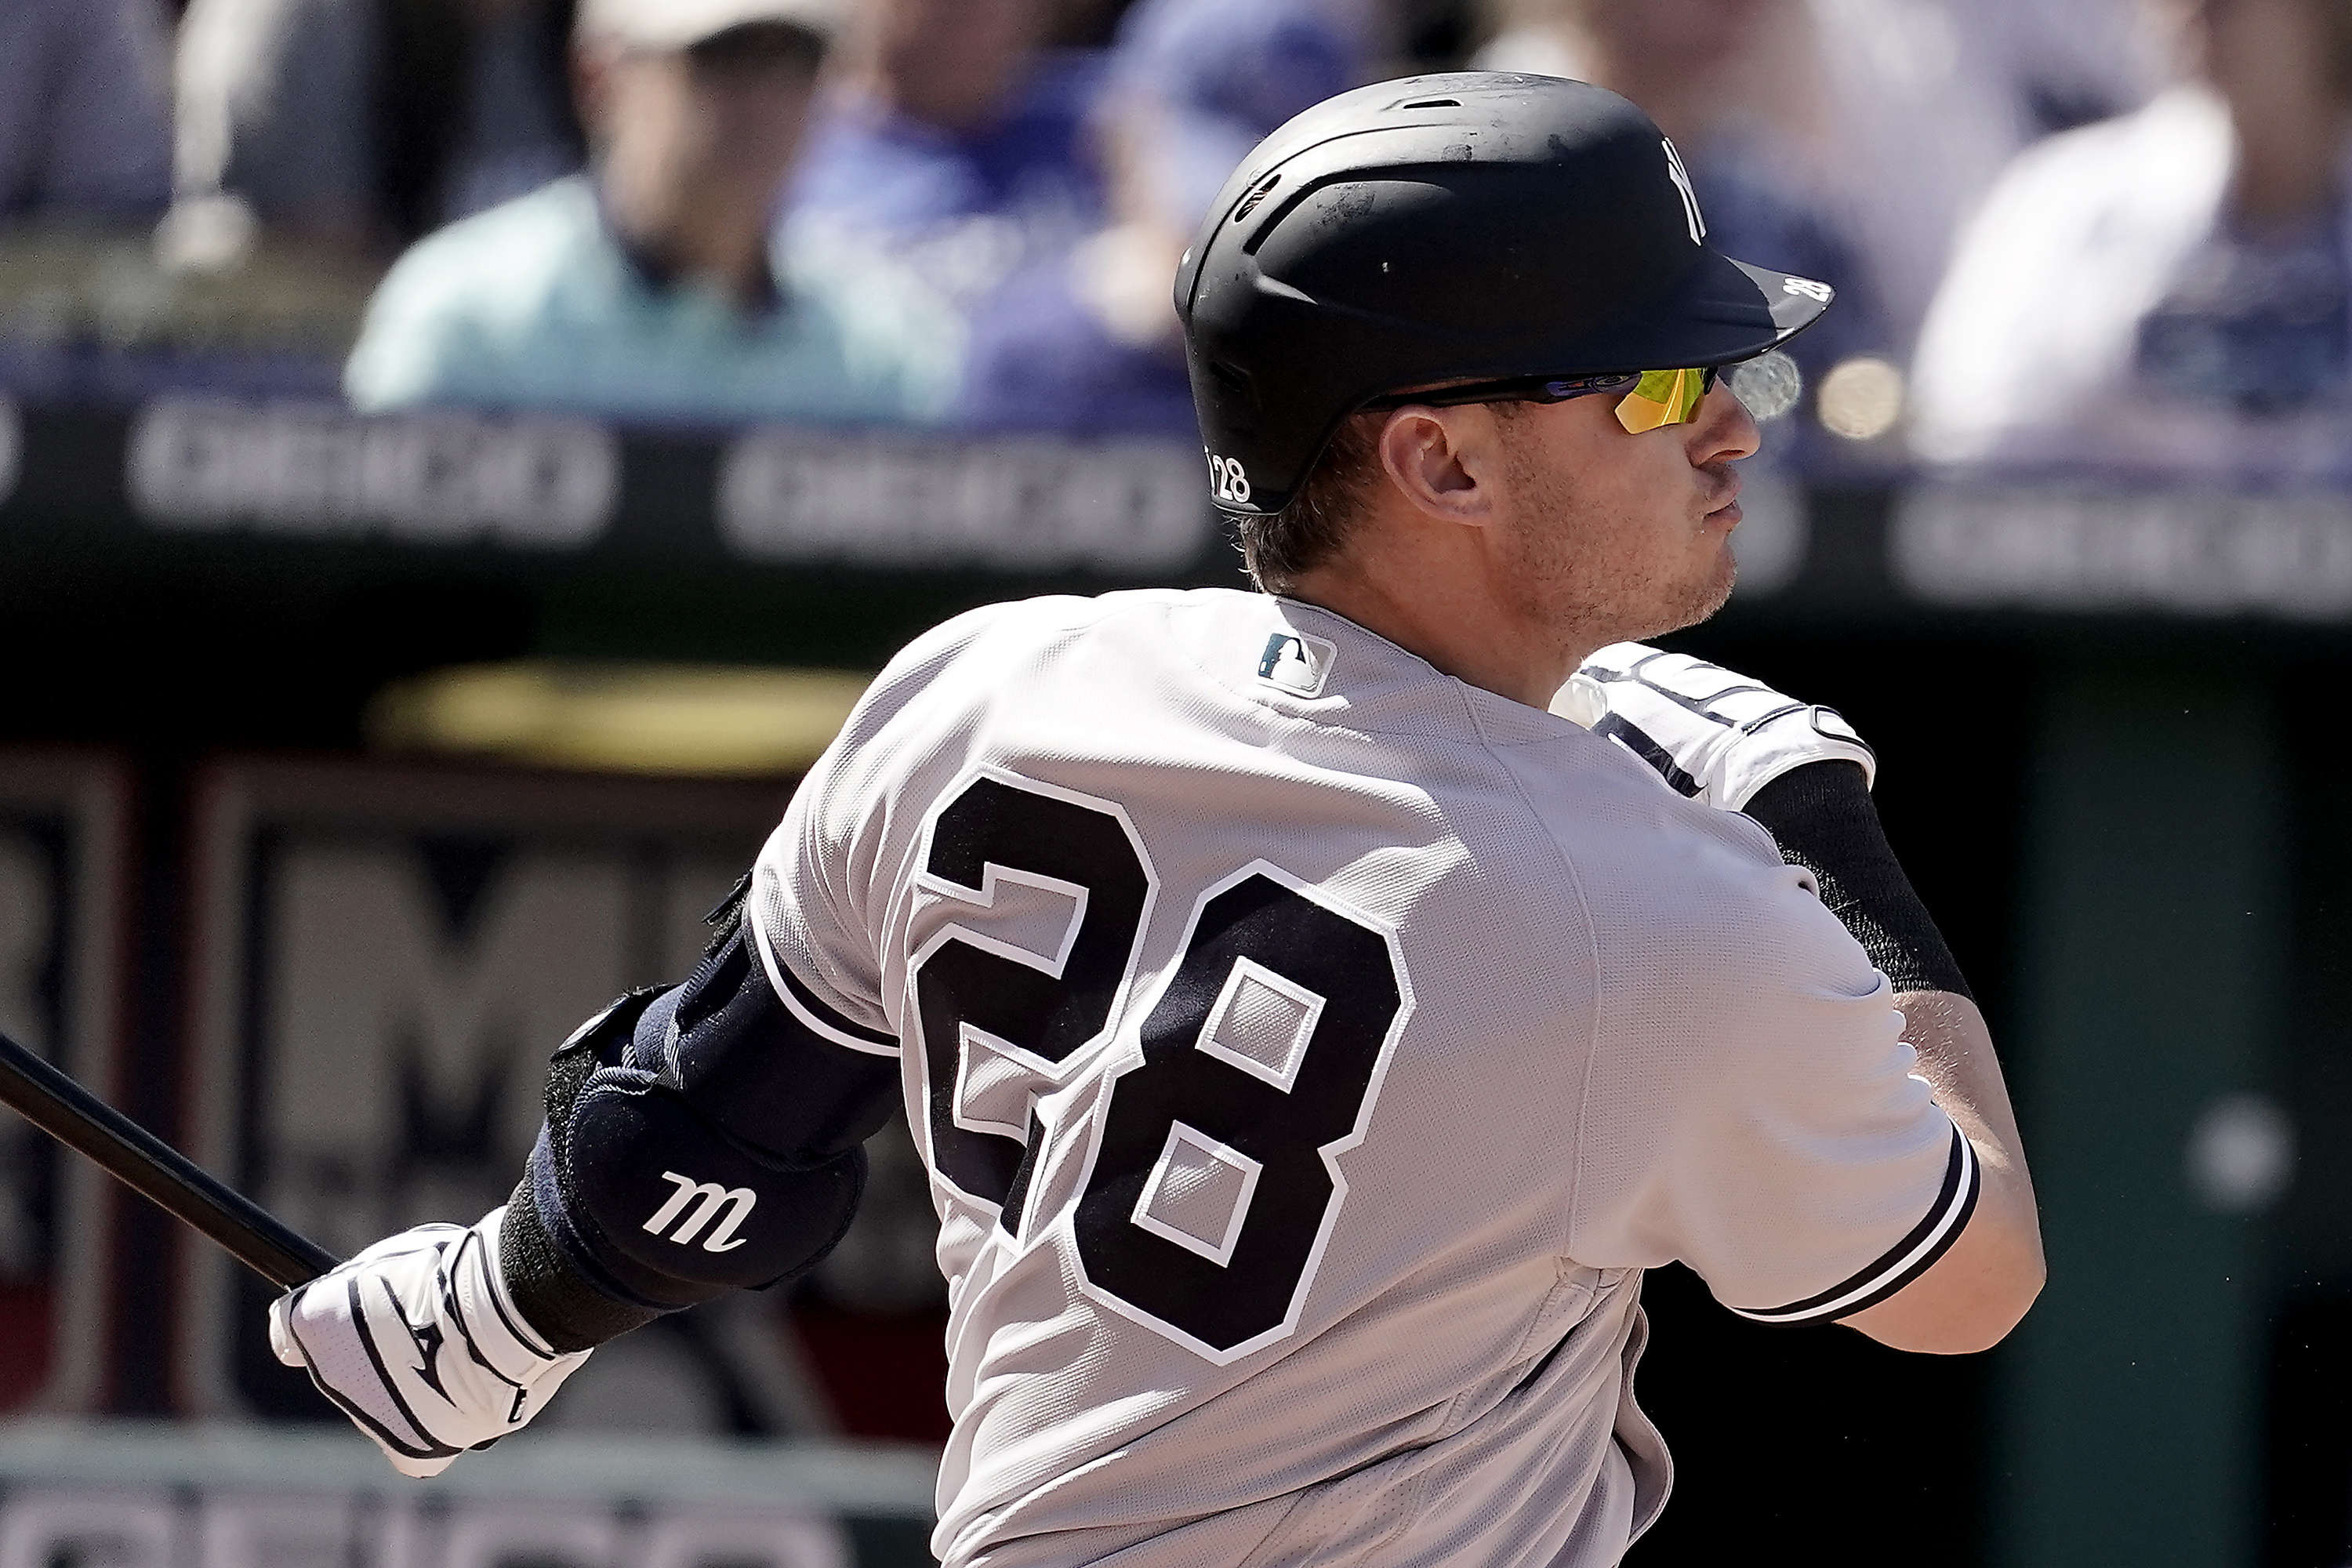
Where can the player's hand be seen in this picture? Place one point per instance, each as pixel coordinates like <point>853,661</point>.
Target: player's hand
<point>1715,736</point>
<point>415,1340</point>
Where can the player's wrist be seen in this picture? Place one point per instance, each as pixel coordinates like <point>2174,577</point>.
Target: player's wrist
<point>502,1332</point>
<point>564,1307</point>
<point>506,1354</point>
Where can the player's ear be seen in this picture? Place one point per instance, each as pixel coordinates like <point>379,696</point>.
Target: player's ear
<point>1443,461</point>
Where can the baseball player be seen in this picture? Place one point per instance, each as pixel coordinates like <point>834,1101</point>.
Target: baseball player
<point>1315,1007</point>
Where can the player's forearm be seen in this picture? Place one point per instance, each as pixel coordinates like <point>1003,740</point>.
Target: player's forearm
<point>1957,1059</point>
<point>1979,1289</point>
<point>1823,818</point>
<point>567,1308</point>
<point>696,1143</point>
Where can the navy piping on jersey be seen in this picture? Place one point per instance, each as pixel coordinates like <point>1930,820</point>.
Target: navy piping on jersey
<point>1902,1263</point>
<point>811,1009</point>
<point>1638,741</point>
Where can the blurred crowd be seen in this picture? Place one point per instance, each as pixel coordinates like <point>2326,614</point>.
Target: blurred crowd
<point>2068,236</point>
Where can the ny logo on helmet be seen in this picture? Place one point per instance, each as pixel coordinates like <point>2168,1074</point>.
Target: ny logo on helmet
<point>729,1206</point>
<point>1681,178</point>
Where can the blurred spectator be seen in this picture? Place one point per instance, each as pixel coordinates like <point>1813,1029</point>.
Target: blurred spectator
<point>1728,80</point>
<point>954,152</point>
<point>1086,340</point>
<point>1922,103</point>
<point>648,288</point>
<point>1881,123</point>
<point>2170,293</point>
<point>83,126</point>
<point>2065,65</point>
<point>1084,24</point>
<point>364,125</point>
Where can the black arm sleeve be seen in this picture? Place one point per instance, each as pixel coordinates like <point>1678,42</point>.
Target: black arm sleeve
<point>698,1140</point>
<point>1822,816</point>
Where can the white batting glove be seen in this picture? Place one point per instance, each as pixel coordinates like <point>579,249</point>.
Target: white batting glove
<point>417,1342</point>
<point>1715,736</point>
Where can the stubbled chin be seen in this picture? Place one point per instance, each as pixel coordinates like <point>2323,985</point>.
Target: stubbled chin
<point>1717,591</point>
<point>1703,594</point>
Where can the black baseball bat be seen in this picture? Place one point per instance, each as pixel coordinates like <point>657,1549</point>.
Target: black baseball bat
<point>146,1165</point>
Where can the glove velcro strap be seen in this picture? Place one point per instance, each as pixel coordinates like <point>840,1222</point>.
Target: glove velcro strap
<point>501,1339</point>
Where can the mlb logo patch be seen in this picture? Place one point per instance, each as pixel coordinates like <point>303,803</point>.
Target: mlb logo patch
<point>1297,663</point>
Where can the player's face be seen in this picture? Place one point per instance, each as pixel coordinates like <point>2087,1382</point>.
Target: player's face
<point>1614,536</point>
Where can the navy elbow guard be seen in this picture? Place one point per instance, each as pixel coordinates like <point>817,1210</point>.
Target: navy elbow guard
<point>698,1141</point>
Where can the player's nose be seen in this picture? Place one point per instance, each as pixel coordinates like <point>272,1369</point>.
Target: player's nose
<point>1724,431</point>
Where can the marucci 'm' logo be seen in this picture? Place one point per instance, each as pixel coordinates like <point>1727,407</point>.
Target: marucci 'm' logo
<point>730,1205</point>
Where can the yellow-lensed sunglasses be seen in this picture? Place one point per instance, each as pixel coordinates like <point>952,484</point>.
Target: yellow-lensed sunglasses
<point>1651,399</point>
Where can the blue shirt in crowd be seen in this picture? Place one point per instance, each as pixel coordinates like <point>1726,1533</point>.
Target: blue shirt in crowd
<point>952,212</point>
<point>2259,322</point>
<point>537,304</point>
<point>1193,85</point>
<point>1039,360</point>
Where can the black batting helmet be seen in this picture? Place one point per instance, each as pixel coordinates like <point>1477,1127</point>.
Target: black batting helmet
<point>1461,227</point>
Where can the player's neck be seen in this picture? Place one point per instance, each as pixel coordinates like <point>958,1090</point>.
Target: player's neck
<point>1448,613</point>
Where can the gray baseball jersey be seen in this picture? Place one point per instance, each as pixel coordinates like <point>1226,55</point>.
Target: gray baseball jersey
<point>1309,1052</point>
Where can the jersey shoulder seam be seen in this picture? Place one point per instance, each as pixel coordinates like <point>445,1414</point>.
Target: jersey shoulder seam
<point>1592,941</point>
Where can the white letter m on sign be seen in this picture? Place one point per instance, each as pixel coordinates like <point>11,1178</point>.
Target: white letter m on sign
<point>714,1200</point>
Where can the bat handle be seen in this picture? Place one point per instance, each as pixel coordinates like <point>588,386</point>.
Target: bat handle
<point>153,1168</point>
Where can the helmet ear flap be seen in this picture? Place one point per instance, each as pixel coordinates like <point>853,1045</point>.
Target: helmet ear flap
<point>1239,383</point>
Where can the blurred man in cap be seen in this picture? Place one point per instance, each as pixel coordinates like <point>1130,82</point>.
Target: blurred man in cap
<point>2166,296</point>
<point>1086,340</point>
<point>956,152</point>
<point>648,288</point>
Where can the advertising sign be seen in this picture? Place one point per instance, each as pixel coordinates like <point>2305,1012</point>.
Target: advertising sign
<point>242,1495</point>
<point>62,913</point>
<point>383,959</point>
